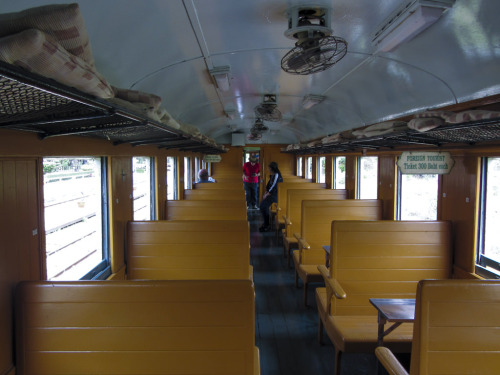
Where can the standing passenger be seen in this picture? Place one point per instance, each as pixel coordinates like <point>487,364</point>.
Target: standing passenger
<point>271,194</point>
<point>251,173</point>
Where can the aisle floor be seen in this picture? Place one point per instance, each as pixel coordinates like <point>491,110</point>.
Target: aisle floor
<point>286,331</point>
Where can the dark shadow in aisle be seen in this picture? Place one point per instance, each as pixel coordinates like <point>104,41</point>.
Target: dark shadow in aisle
<point>285,330</point>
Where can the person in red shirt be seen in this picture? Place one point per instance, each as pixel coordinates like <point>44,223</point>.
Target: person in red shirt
<point>251,173</point>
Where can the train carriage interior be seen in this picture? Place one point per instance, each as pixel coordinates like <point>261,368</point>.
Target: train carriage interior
<point>109,111</point>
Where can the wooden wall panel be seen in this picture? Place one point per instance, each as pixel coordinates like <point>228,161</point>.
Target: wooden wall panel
<point>161,186</point>
<point>458,205</point>
<point>350,175</point>
<point>19,245</point>
<point>329,171</point>
<point>121,207</point>
<point>387,184</point>
<point>286,162</point>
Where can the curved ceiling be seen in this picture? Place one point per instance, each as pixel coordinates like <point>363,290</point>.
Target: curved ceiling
<point>167,47</point>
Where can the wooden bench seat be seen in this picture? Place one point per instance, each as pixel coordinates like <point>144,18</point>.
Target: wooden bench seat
<point>315,232</point>
<point>188,250</point>
<point>377,259</point>
<point>293,212</point>
<point>214,194</point>
<point>206,210</point>
<point>456,329</point>
<point>136,327</point>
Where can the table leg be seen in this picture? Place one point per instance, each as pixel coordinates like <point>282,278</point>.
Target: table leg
<point>381,325</point>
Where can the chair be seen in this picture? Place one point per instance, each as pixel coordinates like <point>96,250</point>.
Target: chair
<point>456,330</point>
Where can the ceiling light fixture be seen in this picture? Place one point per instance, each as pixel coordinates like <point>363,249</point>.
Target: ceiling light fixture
<point>312,100</point>
<point>407,22</point>
<point>221,76</point>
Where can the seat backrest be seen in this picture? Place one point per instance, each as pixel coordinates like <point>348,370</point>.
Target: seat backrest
<point>135,327</point>
<point>283,188</point>
<point>317,217</point>
<point>206,210</point>
<point>228,185</point>
<point>294,204</point>
<point>457,328</point>
<point>214,194</point>
<point>180,250</point>
<point>386,259</point>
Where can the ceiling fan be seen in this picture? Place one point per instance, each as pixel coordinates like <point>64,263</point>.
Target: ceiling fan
<point>316,49</point>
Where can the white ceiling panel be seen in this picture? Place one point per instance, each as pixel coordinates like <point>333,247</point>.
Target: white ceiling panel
<point>167,47</point>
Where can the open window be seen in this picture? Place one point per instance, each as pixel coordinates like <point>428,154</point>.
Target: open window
<point>321,168</point>
<point>76,218</point>
<point>367,177</point>
<point>172,178</point>
<point>417,196</point>
<point>309,167</point>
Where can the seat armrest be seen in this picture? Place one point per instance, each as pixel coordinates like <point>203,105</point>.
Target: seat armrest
<point>303,244</point>
<point>333,284</point>
<point>287,220</point>
<point>389,361</point>
<point>324,272</point>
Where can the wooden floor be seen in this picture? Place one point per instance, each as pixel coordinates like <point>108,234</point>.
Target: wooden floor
<point>286,331</point>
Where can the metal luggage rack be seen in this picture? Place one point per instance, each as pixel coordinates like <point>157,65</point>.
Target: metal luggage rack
<point>29,102</point>
<point>466,134</point>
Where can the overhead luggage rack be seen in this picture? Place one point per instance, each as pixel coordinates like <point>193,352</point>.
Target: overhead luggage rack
<point>29,102</point>
<point>466,134</point>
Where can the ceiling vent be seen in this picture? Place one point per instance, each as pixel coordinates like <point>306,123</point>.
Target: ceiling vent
<point>268,109</point>
<point>316,49</point>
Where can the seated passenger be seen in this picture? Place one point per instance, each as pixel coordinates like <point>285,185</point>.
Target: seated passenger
<point>204,177</point>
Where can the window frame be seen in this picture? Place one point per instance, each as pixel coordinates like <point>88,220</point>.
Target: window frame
<point>358,176</point>
<point>188,176</point>
<point>102,270</point>
<point>483,261</point>
<point>152,184</point>
<point>299,166</point>
<point>175,180</point>
<point>321,177</point>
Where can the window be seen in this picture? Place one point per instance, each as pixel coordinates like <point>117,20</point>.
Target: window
<point>488,248</point>
<point>143,189</point>
<point>196,167</point>
<point>76,218</point>
<point>367,177</point>
<point>188,178</point>
<point>417,196</point>
<point>299,166</point>
<point>321,169</point>
<point>172,191</point>
<point>309,167</point>
<point>339,173</point>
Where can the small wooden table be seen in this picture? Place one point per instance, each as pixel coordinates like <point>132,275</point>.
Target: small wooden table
<point>392,310</point>
<point>327,255</point>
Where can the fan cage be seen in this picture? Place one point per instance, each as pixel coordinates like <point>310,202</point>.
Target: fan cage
<point>324,53</point>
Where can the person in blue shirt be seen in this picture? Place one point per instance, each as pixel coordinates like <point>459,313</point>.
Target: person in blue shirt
<point>271,195</point>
